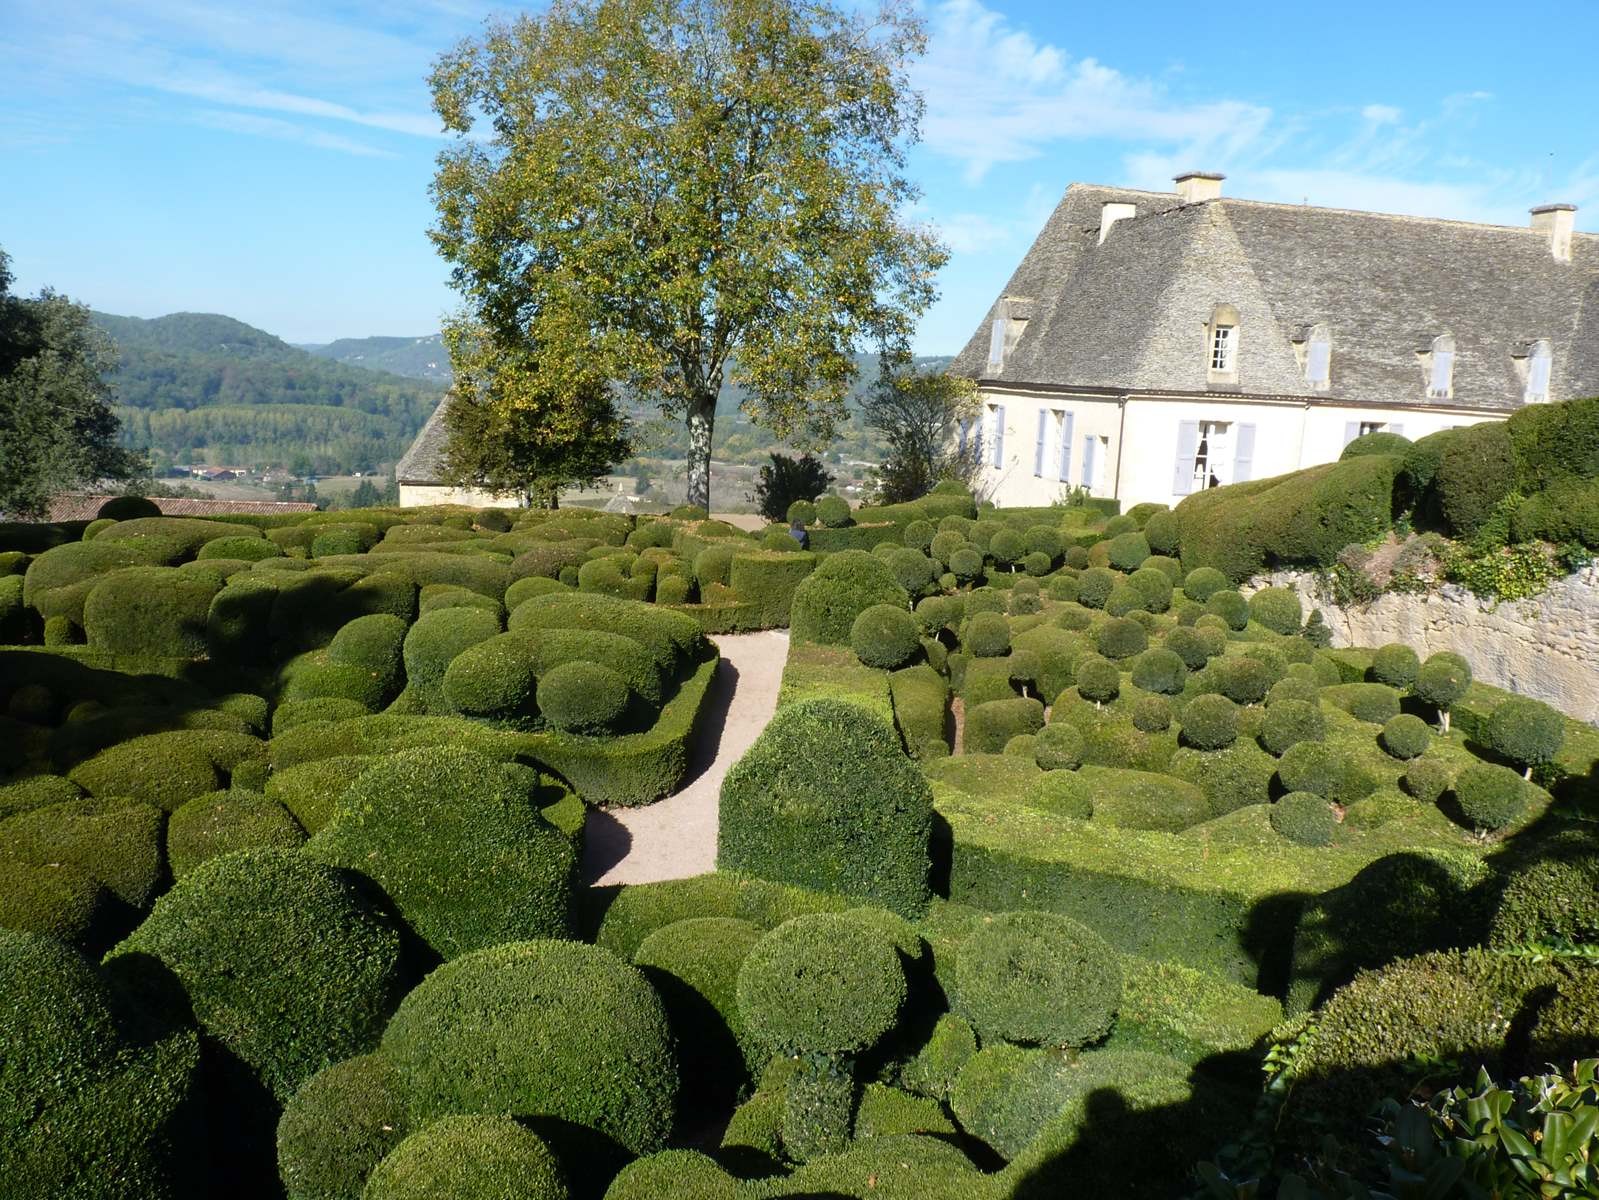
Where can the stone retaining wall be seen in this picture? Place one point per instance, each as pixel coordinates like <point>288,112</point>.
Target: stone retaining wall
<point>1546,646</point>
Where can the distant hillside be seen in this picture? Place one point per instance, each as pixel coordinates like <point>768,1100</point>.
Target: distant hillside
<point>413,357</point>
<point>200,386</point>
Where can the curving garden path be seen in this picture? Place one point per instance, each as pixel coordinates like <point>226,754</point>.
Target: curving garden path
<point>675,838</point>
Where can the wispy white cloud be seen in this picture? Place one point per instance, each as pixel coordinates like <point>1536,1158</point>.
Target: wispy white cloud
<point>995,94</point>
<point>239,94</point>
<point>1381,114</point>
<point>286,131</point>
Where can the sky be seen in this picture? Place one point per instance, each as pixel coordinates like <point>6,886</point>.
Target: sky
<point>271,160</point>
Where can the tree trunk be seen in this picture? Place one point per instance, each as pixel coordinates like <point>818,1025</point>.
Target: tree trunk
<point>701,420</point>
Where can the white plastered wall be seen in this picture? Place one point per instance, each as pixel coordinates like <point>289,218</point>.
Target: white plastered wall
<point>1016,483</point>
<point>418,495</point>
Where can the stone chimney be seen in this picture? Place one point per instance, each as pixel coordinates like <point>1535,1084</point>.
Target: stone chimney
<point>1110,213</point>
<point>1195,187</point>
<point>1555,222</point>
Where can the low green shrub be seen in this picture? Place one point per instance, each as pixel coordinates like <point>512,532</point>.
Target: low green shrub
<point>468,1157</point>
<point>1525,731</point>
<point>1128,551</point>
<point>1549,897</point>
<point>1475,470</point>
<point>1209,722</point>
<point>1305,818</point>
<point>822,984</point>
<point>986,635</point>
<point>1188,645</point>
<point>887,637</point>
<point>1154,585</point>
<point>222,822</point>
<point>337,1126</point>
<point>1202,583</point>
<point>280,960</point>
<point>1427,779</point>
<point>674,1174</point>
<point>58,900</point>
<point>1152,714</point>
<point>1442,681</point>
<point>1160,670</point>
<point>1121,638</point>
<point>1375,703</point>
<point>1325,770</point>
<point>1098,679</point>
<point>1095,585</point>
<point>583,697</point>
<point>1396,665</point>
<point>1289,722</point>
<point>833,512</point>
<point>549,1029</point>
<point>1037,977</point>
<point>375,645</point>
<point>1278,609</point>
<point>826,799</point>
<point>451,838</point>
<point>990,725</point>
<point>149,612</point>
<point>1491,797</point>
<point>921,708</point>
<point>1406,737</point>
<point>1162,533</point>
<point>1058,747</point>
<point>844,585</point>
<point>165,769</point>
<point>1230,606</point>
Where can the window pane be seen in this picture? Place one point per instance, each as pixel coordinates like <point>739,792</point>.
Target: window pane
<point>1443,365</point>
<point>996,341</point>
<point>1319,366</point>
<point>1538,377</point>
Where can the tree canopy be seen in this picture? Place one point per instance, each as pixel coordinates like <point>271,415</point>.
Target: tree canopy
<point>919,412</point>
<point>57,428</point>
<point>670,190</point>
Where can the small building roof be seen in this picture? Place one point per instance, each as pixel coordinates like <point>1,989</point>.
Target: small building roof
<point>419,465</point>
<point>78,506</point>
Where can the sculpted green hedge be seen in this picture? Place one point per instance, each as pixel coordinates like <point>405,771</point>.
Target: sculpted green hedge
<point>338,1126</point>
<point>842,587</point>
<point>468,1158</point>
<point>1038,978</point>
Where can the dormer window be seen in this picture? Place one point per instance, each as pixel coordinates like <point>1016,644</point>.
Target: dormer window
<point>1441,368</point>
<point>996,344</point>
<point>1222,345</point>
<point>1540,365</point>
<point>1318,358</point>
<point>1004,333</point>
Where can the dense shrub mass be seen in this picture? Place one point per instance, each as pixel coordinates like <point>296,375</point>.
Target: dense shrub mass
<point>826,799</point>
<point>1527,732</point>
<point>1278,609</point>
<point>222,822</point>
<point>886,637</point>
<point>540,1029</point>
<point>1288,722</point>
<point>338,1126</point>
<point>1209,722</point>
<point>845,585</point>
<point>1305,818</point>
<point>1037,978</point>
<point>470,1158</point>
<point>1491,797</point>
<point>584,697</point>
<point>1396,665</point>
<point>1406,736</point>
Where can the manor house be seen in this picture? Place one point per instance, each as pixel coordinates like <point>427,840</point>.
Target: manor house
<point>1152,344</point>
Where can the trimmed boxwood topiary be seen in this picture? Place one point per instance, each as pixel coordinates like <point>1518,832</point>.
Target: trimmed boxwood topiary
<point>1058,747</point>
<point>991,725</point>
<point>1406,736</point>
<point>1204,582</point>
<point>150,612</point>
<point>1121,638</point>
<point>62,901</point>
<point>435,639</point>
<point>540,1029</point>
<point>824,983</point>
<point>1209,722</point>
<point>1128,551</point>
<point>1155,585</point>
<point>1553,899</point>
<point>468,1157</point>
<point>1095,585</point>
<point>1395,664</point>
<point>1442,681</point>
<point>453,840</point>
<point>222,822</point>
<point>1152,714</point>
<point>1006,547</point>
<point>986,635</point>
<point>584,697</point>
<point>1528,732</point>
<point>1160,670</point>
<point>1278,609</point>
<point>1491,797</point>
<point>116,841</point>
<point>843,586</point>
<point>1098,679</point>
<point>913,570</point>
<point>886,636</point>
<point>1188,645</point>
<point>338,1126</point>
<point>1125,599</point>
<point>1324,770</point>
<point>672,1175</point>
<point>1038,978</point>
<point>826,799</point>
<point>1305,818</point>
<point>1427,779</point>
<point>1289,722</point>
<point>127,508</point>
<point>96,1103</point>
<point>1162,533</point>
<point>281,960</point>
<point>1375,703</point>
<point>495,679</point>
<point>833,512</point>
<point>1306,691</point>
<point>1230,606</point>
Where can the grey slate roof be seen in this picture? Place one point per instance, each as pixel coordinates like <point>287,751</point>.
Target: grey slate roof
<point>420,463</point>
<point>1131,313</point>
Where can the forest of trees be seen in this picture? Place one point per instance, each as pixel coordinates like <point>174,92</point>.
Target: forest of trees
<point>202,387</point>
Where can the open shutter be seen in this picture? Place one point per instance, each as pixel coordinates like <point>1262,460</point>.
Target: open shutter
<point>1244,457</point>
<point>1038,450</point>
<point>1187,447</point>
<point>999,435</point>
<point>1351,431</point>
<point>1066,447</point>
<point>1090,445</point>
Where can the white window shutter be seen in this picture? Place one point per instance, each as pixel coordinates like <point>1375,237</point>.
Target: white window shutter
<point>1244,456</point>
<point>1351,431</point>
<point>1538,377</point>
<point>1089,446</point>
<point>1187,448</point>
<point>1038,450</point>
<point>1066,448</point>
<point>996,343</point>
<point>1319,367</point>
<point>999,435</point>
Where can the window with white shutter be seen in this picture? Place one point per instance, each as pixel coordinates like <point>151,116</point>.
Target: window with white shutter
<point>1063,462</point>
<point>1038,449</point>
<point>1441,370</point>
<point>1540,363</point>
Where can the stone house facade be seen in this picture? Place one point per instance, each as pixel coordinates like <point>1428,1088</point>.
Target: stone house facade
<point>1151,344</point>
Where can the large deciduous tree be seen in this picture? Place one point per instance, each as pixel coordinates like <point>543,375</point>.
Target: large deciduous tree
<point>666,191</point>
<point>57,428</point>
<point>920,413</point>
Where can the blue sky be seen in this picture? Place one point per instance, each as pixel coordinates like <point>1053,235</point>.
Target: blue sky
<point>271,160</point>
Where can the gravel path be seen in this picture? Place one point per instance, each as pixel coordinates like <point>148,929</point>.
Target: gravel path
<point>676,837</point>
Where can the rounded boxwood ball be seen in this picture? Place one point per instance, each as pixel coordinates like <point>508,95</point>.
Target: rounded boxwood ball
<point>338,1126</point>
<point>541,1028</point>
<point>1305,818</point>
<point>1293,688</point>
<point>1443,679</point>
<point>1291,721</point>
<point>1160,670</point>
<point>1006,546</point>
<point>1098,679</point>
<point>1209,722</point>
<point>843,586</point>
<point>1155,585</point>
<point>672,1175</point>
<point>1037,978</point>
<point>127,508</point>
<point>821,983</point>
<point>1406,736</point>
<point>1058,747</point>
<point>1189,646</point>
<point>1426,779</point>
<point>913,570</point>
<point>886,637</point>
<point>919,535</point>
<point>1242,679</point>
<point>1230,606</point>
<point>1491,797</point>
<point>222,822</point>
<point>966,564</point>
<point>987,635</point>
<point>1121,638</point>
<point>1326,771</point>
<point>1526,731</point>
<point>1204,582</point>
<point>1128,551</point>
<point>493,680</point>
<point>1152,714</point>
<point>1278,609</point>
<point>833,511</point>
<point>801,512</point>
<point>469,1157</point>
<point>1395,664</point>
<point>1124,599</point>
<point>1095,585</point>
<point>584,697</point>
<point>282,961</point>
